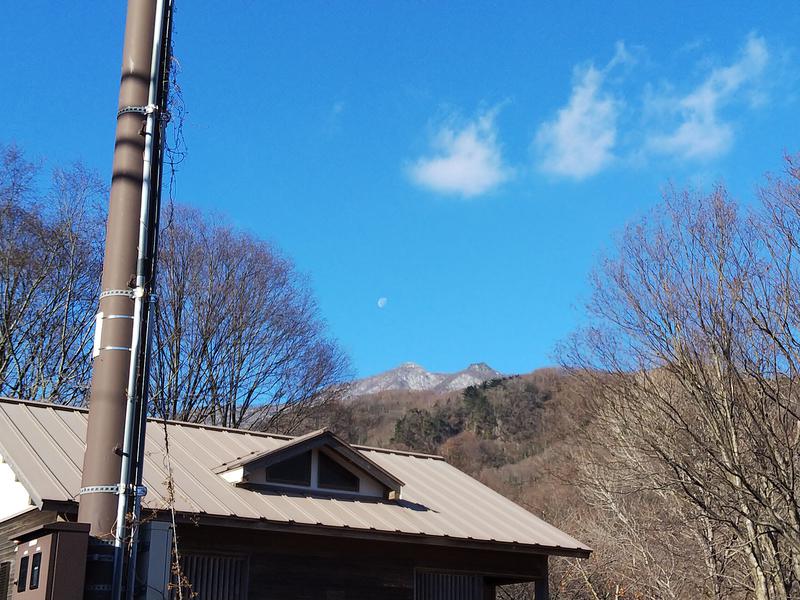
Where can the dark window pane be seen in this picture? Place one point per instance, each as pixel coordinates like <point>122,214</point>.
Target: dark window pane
<point>334,476</point>
<point>5,574</point>
<point>294,471</point>
<point>22,576</point>
<point>36,568</point>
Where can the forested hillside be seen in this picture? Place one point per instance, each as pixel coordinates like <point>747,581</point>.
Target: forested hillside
<point>671,445</point>
<point>542,440</point>
<point>519,435</point>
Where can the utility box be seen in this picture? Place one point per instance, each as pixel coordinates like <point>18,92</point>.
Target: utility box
<point>51,562</point>
<point>154,562</point>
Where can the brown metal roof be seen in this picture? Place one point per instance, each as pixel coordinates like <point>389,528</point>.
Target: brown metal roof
<point>44,444</point>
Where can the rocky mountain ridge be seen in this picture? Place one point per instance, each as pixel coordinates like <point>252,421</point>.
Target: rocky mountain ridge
<point>411,376</point>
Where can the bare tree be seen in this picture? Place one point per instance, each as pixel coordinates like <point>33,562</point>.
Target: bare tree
<point>239,338</point>
<point>692,354</point>
<point>239,341</point>
<point>49,269</point>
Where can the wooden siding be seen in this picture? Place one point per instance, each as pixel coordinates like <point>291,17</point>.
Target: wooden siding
<point>11,527</point>
<point>305,567</point>
<point>284,566</point>
<point>313,578</point>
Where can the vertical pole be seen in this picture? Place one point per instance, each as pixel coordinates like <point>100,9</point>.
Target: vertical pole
<point>114,338</point>
<point>162,41</point>
<point>542,589</point>
<point>107,399</point>
<point>142,286</point>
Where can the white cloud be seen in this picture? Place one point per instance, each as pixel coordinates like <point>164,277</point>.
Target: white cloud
<point>702,133</point>
<point>579,142</point>
<point>382,301</point>
<point>468,161</point>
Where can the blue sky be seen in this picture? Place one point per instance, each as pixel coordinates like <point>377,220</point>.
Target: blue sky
<point>445,173</point>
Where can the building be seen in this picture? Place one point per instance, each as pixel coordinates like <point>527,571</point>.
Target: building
<point>270,516</point>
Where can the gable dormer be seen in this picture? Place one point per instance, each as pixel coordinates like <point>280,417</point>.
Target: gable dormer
<point>319,462</point>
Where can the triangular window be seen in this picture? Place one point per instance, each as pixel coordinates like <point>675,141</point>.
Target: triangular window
<point>316,461</point>
<point>292,471</point>
<point>333,476</point>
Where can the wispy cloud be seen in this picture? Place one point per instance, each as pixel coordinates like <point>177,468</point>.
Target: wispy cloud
<point>693,121</point>
<point>702,133</point>
<point>467,161</point>
<point>580,140</point>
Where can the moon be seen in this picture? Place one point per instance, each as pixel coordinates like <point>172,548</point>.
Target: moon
<point>382,301</point>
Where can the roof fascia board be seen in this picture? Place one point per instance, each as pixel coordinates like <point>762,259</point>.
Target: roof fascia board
<point>366,534</point>
<point>287,450</point>
<point>349,532</point>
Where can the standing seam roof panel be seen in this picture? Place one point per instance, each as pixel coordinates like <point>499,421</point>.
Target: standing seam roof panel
<point>29,467</point>
<point>439,500</point>
<point>189,483</point>
<point>46,446</point>
<point>35,438</point>
<point>523,521</point>
<point>235,505</point>
<point>458,499</point>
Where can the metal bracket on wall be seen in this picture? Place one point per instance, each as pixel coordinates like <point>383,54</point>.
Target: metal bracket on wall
<point>108,293</point>
<point>139,490</point>
<point>142,110</point>
<point>98,329</point>
<point>100,489</point>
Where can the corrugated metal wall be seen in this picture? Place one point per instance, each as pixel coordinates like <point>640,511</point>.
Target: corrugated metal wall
<point>213,577</point>
<point>448,586</point>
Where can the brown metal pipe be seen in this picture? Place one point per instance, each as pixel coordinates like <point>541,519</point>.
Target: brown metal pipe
<point>107,399</point>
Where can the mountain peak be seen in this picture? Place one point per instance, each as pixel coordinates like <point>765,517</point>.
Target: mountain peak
<point>410,365</point>
<point>479,366</point>
<point>412,376</point>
